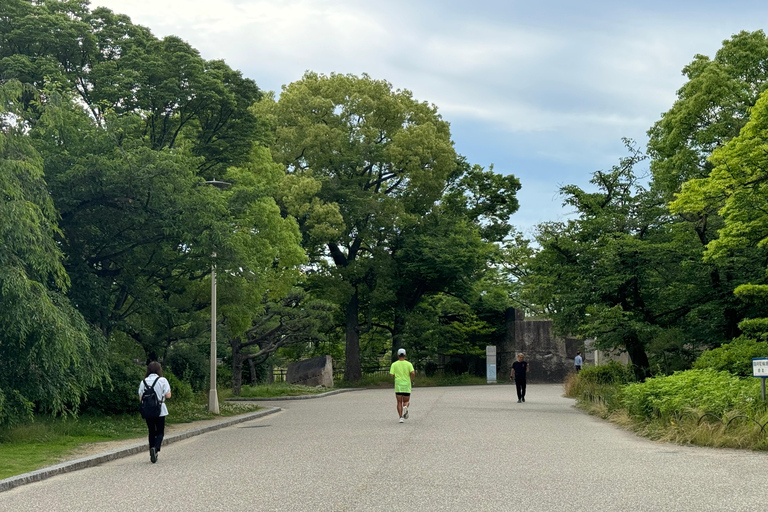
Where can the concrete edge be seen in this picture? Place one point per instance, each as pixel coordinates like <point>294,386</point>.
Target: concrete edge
<point>94,460</point>
<point>300,397</point>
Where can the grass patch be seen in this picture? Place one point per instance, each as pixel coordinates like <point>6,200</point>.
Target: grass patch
<point>276,390</point>
<point>421,381</point>
<point>367,381</point>
<point>46,440</point>
<point>441,379</point>
<point>687,429</point>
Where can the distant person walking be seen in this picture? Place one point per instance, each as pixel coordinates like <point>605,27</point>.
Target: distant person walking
<point>520,370</point>
<point>404,374</point>
<point>153,409</point>
<point>578,362</point>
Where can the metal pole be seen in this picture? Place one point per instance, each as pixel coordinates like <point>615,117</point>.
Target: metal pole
<point>213,396</point>
<point>762,387</point>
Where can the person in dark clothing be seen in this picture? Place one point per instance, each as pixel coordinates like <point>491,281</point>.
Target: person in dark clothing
<point>520,369</point>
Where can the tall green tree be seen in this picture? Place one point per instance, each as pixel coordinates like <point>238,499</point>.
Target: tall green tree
<point>737,188</point>
<point>621,273</point>
<point>140,124</point>
<point>381,158</point>
<point>712,107</point>
<point>451,248</point>
<point>49,356</point>
<point>116,67</point>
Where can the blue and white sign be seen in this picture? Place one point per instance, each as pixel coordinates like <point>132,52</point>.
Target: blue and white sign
<point>760,367</point>
<point>490,363</point>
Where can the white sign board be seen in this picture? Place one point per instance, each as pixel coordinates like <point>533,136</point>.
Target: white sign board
<point>490,363</point>
<point>760,367</point>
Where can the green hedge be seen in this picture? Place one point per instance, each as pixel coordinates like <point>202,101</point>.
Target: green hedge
<point>609,373</point>
<point>706,390</point>
<point>734,357</point>
<point>121,395</point>
<point>181,391</point>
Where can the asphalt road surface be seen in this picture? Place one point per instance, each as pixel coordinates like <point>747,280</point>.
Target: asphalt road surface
<point>463,448</point>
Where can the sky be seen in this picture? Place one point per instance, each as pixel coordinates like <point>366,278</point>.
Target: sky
<point>543,90</point>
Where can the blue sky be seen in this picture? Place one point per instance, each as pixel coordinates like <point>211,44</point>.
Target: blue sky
<point>543,90</point>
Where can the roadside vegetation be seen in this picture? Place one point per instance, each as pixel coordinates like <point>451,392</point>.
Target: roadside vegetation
<point>274,390</point>
<point>705,406</point>
<point>438,379</point>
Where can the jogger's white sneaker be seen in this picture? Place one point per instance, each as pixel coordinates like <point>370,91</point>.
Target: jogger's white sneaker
<point>405,412</point>
<point>402,420</point>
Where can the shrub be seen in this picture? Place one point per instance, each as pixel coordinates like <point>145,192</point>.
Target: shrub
<point>181,391</point>
<point>430,369</point>
<point>734,357</point>
<point>707,390</point>
<point>224,376</point>
<point>612,373</point>
<point>189,363</point>
<point>121,395</point>
<point>455,367</point>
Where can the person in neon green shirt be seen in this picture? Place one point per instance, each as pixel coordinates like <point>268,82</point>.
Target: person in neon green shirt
<point>403,373</point>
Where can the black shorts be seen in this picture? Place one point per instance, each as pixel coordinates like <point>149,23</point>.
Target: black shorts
<point>402,394</point>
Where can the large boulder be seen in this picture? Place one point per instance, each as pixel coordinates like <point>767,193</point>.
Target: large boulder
<point>317,371</point>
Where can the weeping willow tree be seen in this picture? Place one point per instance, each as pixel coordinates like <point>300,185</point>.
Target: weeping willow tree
<point>49,356</point>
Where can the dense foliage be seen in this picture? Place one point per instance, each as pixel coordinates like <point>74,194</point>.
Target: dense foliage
<point>734,357</point>
<point>343,222</point>
<point>707,390</point>
<point>49,355</point>
<point>339,208</point>
<point>611,373</point>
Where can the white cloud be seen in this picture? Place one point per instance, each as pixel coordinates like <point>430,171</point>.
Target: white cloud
<point>558,83</point>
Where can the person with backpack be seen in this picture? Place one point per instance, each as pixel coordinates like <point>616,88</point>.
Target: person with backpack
<point>153,391</point>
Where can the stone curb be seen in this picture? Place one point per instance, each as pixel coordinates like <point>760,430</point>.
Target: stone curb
<point>94,460</point>
<point>300,397</point>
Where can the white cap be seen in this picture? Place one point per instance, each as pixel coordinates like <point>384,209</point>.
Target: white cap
<point>401,352</point>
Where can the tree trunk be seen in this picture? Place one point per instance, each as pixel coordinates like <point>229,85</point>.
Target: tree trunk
<point>237,367</point>
<point>352,370</point>
<point>638,357</point>
<point>254,375</point>
<point>398,331</point>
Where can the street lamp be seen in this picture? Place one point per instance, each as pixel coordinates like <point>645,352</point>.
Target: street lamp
<point>213,395</point>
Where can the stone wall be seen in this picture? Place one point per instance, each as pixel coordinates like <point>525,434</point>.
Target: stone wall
<point>317,371</point>
<point>550,357</point>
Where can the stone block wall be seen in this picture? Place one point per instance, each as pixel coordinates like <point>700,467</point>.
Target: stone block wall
<point>317,371</point>
<point>550,357</point>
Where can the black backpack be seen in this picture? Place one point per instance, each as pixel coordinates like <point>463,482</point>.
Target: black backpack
<point>150,406</point>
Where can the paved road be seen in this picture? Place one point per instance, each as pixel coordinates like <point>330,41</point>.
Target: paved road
<point>465,449</point>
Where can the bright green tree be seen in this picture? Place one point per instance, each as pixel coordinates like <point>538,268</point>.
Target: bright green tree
<point>140,123</point>
<point>381,159</point>
<point>737,188</point>
<point>711,108</point>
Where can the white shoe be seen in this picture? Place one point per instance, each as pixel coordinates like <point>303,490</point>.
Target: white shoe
<point>402,420</point>
<point>405,412</point>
